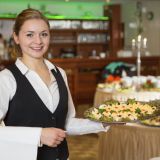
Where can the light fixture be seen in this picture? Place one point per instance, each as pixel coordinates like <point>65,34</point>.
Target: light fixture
<point>108,1</point>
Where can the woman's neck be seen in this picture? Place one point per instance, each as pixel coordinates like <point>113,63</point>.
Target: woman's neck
<point>33,63</point>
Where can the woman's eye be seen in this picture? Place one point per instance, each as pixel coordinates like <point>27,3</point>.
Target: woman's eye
<point>44,34</point>
<point>29,35</point>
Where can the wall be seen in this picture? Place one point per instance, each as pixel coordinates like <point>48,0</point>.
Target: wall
<point>54,7</point>
<point>151,27</point>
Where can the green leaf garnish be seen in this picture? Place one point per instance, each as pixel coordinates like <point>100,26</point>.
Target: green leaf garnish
<point>131,101</point>
<point>138,110</point>
<point>101,110</point>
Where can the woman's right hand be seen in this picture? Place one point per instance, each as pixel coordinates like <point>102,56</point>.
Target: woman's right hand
<point>52,137</point>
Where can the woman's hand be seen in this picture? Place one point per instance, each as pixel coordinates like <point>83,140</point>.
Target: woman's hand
<point>52,137</point>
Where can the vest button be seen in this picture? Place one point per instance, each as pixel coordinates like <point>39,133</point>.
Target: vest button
<point>53,118</point>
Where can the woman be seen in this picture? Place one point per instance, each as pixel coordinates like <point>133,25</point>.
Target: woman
<point>36,94</point>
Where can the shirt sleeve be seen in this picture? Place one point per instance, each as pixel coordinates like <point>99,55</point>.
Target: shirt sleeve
<point>27,135</point>
<point>79,126</point>
<point>7,91</point>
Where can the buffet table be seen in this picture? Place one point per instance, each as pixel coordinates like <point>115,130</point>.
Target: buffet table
<point>131,141</point>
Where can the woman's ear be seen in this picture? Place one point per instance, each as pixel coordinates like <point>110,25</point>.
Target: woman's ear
<point>15,37</point>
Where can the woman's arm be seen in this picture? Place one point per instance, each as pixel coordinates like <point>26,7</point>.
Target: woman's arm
<point>13,134</point>
<point>79,126</point>
<point>7,91</point>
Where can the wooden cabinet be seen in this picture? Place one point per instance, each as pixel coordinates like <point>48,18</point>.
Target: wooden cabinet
<point>116,28</point>
<point>83,38</point>
<point>79,38</point>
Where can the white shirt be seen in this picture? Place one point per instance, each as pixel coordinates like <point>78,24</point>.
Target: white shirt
<point>50,97</point>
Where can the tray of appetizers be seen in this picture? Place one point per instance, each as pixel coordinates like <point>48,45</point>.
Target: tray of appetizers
<point>115,112</point>
<point>153,122</point>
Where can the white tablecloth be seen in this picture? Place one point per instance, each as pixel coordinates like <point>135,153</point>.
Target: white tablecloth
<point>145,96</point>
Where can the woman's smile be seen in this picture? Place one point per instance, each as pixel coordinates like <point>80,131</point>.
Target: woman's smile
<point>37,49</point>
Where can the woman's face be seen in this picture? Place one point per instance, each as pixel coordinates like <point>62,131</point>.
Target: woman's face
<point>33,38</point>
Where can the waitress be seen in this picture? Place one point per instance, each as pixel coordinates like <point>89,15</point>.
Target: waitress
<point>34,93</point>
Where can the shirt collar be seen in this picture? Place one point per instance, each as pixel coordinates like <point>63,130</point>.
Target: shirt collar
<point>24,69</point>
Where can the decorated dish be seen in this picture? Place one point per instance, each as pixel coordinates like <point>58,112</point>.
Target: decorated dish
<point>154,121</point>
<point>114,111</point>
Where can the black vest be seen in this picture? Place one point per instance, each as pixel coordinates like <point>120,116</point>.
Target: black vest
<point>27,109</point>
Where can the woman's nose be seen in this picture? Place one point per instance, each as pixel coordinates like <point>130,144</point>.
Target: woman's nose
<point>38,39</point>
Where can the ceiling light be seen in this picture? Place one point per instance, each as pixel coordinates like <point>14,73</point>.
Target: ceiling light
<point>107,1</point>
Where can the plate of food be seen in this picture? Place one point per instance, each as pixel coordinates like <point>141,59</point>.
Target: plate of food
<point>153,122</point>
<point>115,112</point>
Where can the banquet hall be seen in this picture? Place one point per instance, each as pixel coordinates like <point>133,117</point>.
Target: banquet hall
<point>110,52</point>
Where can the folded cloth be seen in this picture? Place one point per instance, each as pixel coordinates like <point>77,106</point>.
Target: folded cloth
<point>19,143</point>
<point>17,151</point>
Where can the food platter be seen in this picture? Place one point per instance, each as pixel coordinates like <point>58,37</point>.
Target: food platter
<point>88,114</point>
<point>153,122</point>
<point>115,112</point>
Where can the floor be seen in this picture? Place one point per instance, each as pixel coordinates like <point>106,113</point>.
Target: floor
<point>83,147</point>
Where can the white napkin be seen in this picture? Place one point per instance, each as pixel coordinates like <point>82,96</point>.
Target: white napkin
<point>19,143</point>
<point>17,151</point>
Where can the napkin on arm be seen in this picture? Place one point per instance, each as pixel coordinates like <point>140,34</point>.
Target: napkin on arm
<point>19,143</point>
